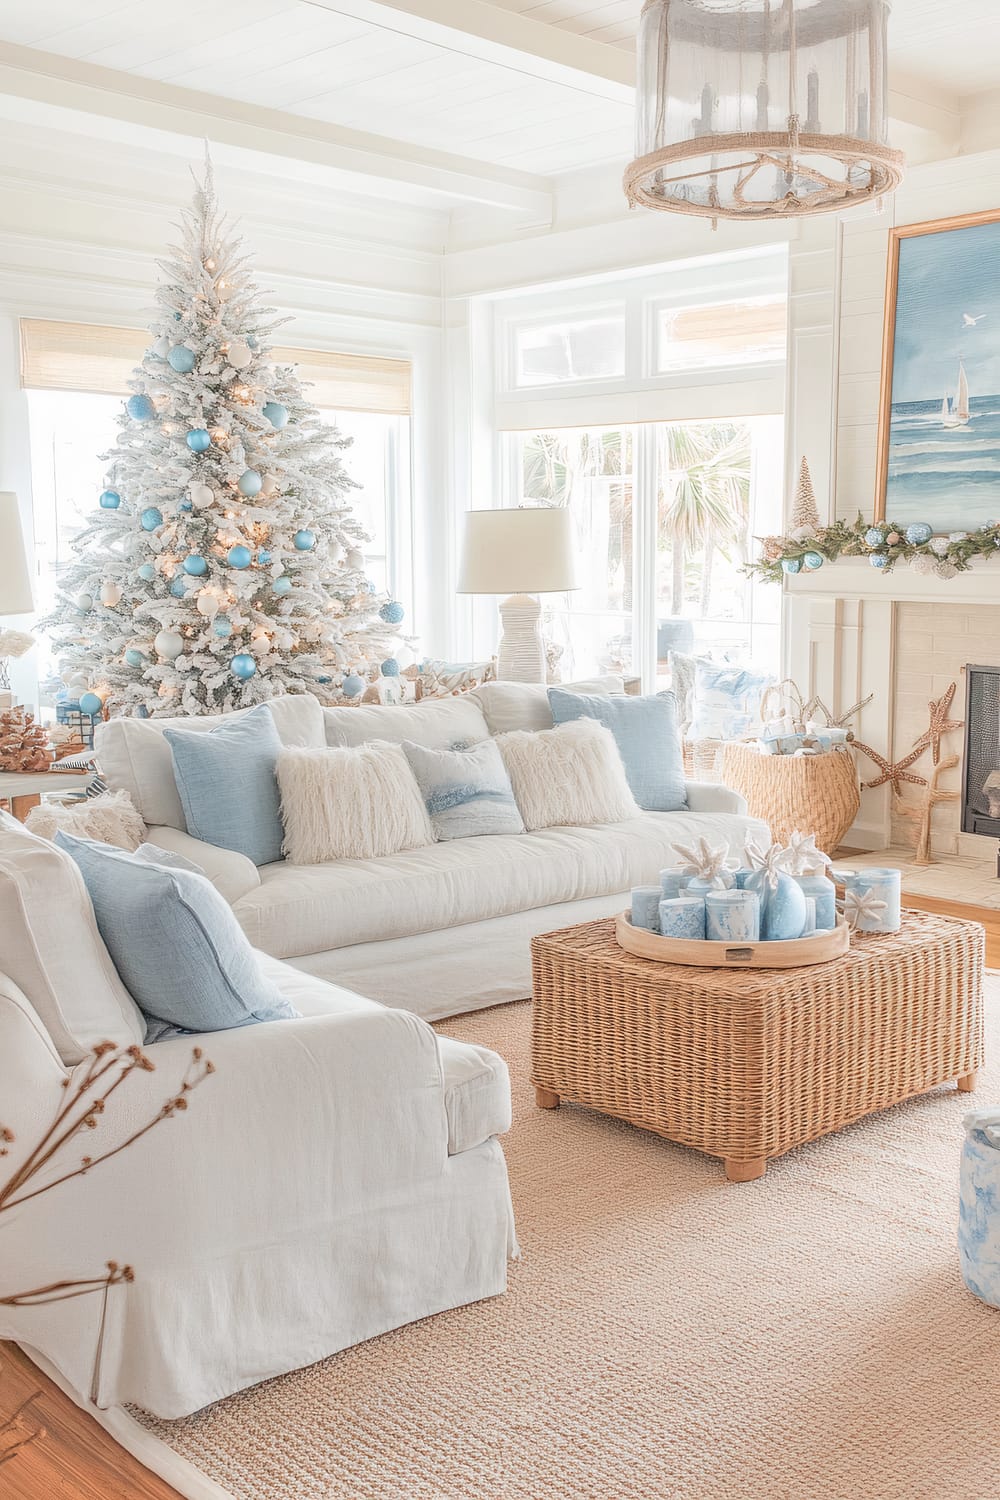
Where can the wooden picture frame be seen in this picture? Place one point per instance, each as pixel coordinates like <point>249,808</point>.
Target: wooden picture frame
<point>949,422</point>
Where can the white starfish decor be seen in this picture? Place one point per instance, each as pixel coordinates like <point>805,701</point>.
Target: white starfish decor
<point>704,862</point>
<point>801,857</point>
<point>857,905</point>
<point>768,861</point>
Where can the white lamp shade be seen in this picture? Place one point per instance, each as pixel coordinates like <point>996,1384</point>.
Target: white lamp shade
<point>15,580</point>
<point>524,551</point>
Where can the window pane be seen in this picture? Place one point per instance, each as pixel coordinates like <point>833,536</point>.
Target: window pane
<point>378,463</point>
<point>722,333</point>
<point>581,349</point>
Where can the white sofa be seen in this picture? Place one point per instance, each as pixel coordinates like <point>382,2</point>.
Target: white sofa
<point>441,929</point>
<point>337,1175</point>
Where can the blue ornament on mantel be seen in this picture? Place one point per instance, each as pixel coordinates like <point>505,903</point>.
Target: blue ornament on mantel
<point>196,565</point>
<point>282,585</point>
<point>222,627</point>
<point>275,413</point>
<point>874,536</point>
<point>151,518</point>
<point>181,359</point>
<point>147,572</point>
<point>243,666</point>
<point>140,408</point>
<point>918,532</point>
<point>879,560</point>
<point>198,439</point>
<point>352,685</point>
<point>238,557</point>
<point>813,561</point>
<point>249,483</point>
<point>304,540</point>
<point>392,612</point>
<point>110,500</point>
<point>791,565</point>
<point>390,667</point>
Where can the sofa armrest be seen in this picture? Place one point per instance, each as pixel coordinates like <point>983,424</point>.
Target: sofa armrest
<point>232,874</point>
<point>713,797</point>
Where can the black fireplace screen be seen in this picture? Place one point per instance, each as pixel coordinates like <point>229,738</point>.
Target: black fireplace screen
<point>981,776</point>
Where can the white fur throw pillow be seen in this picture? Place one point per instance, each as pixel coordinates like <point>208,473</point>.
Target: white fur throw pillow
<point>350,804</point>
<point>110,818</point>
<point>570,776</point>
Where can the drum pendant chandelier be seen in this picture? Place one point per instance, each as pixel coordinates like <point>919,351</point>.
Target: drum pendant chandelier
<point>761,109</point>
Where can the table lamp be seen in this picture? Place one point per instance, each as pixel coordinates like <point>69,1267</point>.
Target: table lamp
<point>520,553</point>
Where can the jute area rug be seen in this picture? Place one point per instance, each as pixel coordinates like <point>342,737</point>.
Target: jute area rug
<point>667,1335</point>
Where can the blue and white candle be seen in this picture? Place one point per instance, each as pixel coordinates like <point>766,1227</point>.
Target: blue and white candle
<point>683,917</point>
<point>824,894</point>
<point>673,882</point>
<point>884,886</point>
<point>732,916</point>
<point>810,926</point>
<point>646,907</point>
<point>741,876</point>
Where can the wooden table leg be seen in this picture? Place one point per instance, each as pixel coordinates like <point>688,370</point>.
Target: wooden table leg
<point>967,1083</point>
<point>745,1171</point>
<point>546,1099</point>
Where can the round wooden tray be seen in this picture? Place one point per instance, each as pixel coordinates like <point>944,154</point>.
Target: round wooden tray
<point>821,948</point>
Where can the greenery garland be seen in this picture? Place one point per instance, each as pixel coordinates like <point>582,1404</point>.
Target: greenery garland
<point>884,544</point>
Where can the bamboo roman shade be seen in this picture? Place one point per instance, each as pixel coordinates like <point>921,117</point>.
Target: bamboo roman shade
<point>88,357</point>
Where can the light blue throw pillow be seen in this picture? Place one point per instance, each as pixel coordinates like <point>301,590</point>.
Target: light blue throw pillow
<point>645,731</point>
<point>227,784</point>
<point>466,792</point>
<point>727,700</point>
<point>175,942</point>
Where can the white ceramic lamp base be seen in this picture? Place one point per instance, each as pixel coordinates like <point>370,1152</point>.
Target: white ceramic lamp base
<point>521,654</point>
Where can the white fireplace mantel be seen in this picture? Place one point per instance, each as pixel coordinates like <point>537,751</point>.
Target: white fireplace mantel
<point>855,578</point>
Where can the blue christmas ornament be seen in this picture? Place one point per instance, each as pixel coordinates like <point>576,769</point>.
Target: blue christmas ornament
<point>275,413</point>
<point>142,712</point>
<point>251,341</point>
<point>879,560</point>
<point>305,541</point>
<point>90,704</point>
<point>324,679</point>
<point>196,565</point>
<point>791,564</point>
<point>249,483</point>
<point>184,505</point>
<point>133,657</point>
<point>147,571</point>
<point>238,557</point>
<point>151,518</point>
<point>140,408</point>
<point>282,585</point>
<point>222,627</point>
<point>352,685</point>
<point>390,667</point>
<point>263,556</point>
<point>181,359</point>
<point>918,532</point>
<point>198,440</point>
<point>110,500</point>
<point>813,560</point>
<point>243,666</point>
<point>392,612</point>
<point>874,536</point>
<point>178,587</point>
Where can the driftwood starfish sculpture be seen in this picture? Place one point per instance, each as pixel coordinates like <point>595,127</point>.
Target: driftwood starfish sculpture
<point>892,771</point>
<point>940,723</point>
<point>922,812</point>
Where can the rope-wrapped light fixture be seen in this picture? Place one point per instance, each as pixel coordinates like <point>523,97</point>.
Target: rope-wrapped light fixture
<point>757,109</point>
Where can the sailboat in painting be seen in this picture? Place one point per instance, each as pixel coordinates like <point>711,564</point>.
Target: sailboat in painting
<point>958,414</point>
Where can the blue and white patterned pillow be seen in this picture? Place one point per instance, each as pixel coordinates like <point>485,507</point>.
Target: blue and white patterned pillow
<point>466,792</point>
<point>726,701</point>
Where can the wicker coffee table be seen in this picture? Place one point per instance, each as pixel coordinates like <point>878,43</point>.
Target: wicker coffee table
<point>747,1064</point>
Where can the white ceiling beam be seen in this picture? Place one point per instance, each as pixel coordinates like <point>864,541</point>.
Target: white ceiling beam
<point>492,34</point>
<point>126,107</point>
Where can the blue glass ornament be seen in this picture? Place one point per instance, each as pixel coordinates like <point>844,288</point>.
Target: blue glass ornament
<point>243,666</point>
<point>249,483</point>
<point>874,536</point>
<point>251,341</point>
<point>791,564</point>
<point>813,560</point>
<point>324,679</point>
<point>151,518</point>
<point>275,413</point>
<point>140,408</point>
<point>305,541</point>
<point>238,557</point>
<point>184,505</point>
<point>110,500</point>
<point>879,560</point>
<point>263,556</point>
<point>918,532</point>
<point>196,565</point>
<point>133,657</point>
<point>282,585</point>
<point>178,587</point>
<point>181,359</point>
<point>90,704</point>
<point>352,685</point>
<point>390,667</point>
<point>142,712</point>
<point>392,612</point>
<point>147,571</point>
<point>198,439</point>
<point>222,628</point>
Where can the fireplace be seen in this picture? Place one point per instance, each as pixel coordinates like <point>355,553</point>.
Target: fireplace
<point>981,773</point>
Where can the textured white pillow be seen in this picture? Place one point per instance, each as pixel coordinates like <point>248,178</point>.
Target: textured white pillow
<point>570,776</point>
<point>110,819</point>
<point>525,705</point>
<point>356,803</point>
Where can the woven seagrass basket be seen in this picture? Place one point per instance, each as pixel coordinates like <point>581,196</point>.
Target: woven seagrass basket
<point>814,793</point>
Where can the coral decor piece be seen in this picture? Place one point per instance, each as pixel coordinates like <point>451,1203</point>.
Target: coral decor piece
<point>860,905</point>
<point>801,856</point>
<point>24,745</point>
<point>704,862</point>
<point>892,772</point>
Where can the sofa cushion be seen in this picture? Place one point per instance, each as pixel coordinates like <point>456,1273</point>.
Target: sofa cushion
<point>228,786</point>
<point>571,774</point>
<point>465,792</point>
<point>645,731</point>
<point>476,1081</point>
<point>525,705</point>
<point>135,757</point>
<point>350,803</point>
<point>303,909</point>
<point>437,723</point>
<point>51,948</point>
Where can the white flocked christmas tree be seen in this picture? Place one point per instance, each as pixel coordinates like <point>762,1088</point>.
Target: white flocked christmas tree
<point>224,564</point>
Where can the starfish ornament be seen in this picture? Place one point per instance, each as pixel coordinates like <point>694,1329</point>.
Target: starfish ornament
<point>893,772</point>
<point>705,862</point>
<point>769,862</point>
<point>861,904</point>
<point>940,724</point>
<point>801,857</point>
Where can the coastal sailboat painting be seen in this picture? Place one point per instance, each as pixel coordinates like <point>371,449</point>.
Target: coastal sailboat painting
<point>939,428</point>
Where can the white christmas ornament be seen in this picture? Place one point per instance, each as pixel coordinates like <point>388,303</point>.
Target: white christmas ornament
<point>84,602</point>
<point>207,603</point>
<point>168,644</point>
<point>162,347</point>
<point>200,494</point>
<point>240,354</point>
<point>110,594</point>
<point>269,485</point>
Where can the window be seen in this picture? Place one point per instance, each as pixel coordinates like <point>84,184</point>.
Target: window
<point>722,333</point>
<point>378,463</point>
<point>588,347</point>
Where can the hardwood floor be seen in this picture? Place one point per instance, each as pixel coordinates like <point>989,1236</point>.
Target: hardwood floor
<point>76,1459</point>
